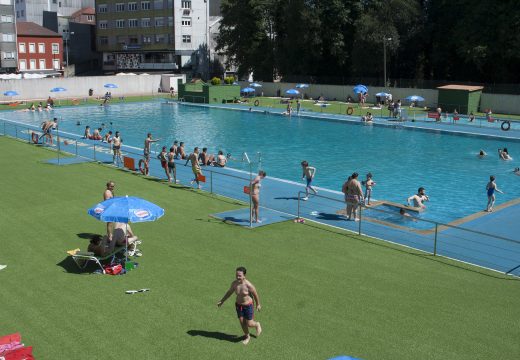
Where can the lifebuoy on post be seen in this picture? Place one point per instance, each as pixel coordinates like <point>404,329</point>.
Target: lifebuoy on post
<point>350,110</point>
<point>143,167</point>
<point>506,125</point>
<point>257,102</point>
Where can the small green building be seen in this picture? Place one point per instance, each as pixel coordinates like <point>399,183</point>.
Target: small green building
<point>207,93</point>
<point>465,99</point>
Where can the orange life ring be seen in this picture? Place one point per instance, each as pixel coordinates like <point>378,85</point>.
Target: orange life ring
<point>350,110</point>
<point>257,102</point>
<point>143,167</point>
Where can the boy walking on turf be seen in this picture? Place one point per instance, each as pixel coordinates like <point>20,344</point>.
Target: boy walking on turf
<point>244,289</point>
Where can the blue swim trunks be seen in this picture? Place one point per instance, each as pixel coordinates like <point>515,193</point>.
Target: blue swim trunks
<point>309,181</point>
<point>245,311</point>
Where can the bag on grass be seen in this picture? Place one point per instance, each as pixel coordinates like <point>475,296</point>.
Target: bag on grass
<point>113,269</point>
<point>19,354</point>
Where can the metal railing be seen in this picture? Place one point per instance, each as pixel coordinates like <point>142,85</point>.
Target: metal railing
<point>456,242</point>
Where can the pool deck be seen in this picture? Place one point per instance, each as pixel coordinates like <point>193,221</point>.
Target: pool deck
<point>492,241</point>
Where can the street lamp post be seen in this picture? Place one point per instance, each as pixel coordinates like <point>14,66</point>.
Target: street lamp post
<point>67,34</point>
<point>385,39</point>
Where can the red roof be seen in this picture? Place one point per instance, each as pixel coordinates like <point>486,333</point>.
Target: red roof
<point>84,11</point>
<point>32,29</point>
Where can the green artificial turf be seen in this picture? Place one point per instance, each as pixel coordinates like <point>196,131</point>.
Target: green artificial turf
<point>324,292</point>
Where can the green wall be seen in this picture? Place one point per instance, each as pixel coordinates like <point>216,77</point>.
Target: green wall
<point>208,94</point>
<point>463,100</point>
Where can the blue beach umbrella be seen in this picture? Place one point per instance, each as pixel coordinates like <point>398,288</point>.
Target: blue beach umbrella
<point>111,86</point>
<point>382,94</point>
<point>247,90</point>
<point>235,83</point>
<point>255,85</point>
<point>414,98</point>
<point>292,92</point>
<point>360,89</point>
<point>58,89</point>
<point>11,93</point>
<point>126,209</point>
<point>301,86</point>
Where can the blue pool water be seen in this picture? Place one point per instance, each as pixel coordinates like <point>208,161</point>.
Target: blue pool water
<point>390,214</point>
<point>400,160</point>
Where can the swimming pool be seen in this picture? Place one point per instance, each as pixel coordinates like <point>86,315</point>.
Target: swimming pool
<point>400,160</point>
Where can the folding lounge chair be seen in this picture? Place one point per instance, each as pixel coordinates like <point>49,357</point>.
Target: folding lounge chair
<point>82,258</point>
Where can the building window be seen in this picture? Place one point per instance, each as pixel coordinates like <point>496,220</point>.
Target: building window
<point>120,7</point>
<point>132,6</point>
<point>21,47</point>
<point>32,48</point>
<point>41,48</point>
<point>145,22</point>
<point>145,5</point>
<point>186,21</point>
<point>160,38</point>
<point>132,39</point>
<point>22,13</point>
<point>186,39</point>
<point>8,37</point>
<point>54,1</point>
<point>158,4</point>
<point>42,64</point>
<point>55,48</point>
<point>23,65</point>
<point>17,14</point>
<point>90,17</point>
<point>32,64</point>
<point>56,64</point>
<point>103,24</point>
<point>8,55</point>
<point>133,23</point>
<point>103,40</point>
<point>147,39</point>
<point>186,4</point>
<point>159,22</point>
<point>170,21</point>
<point>103,8</point>
<point>120,24</point>
<point>7,18</point>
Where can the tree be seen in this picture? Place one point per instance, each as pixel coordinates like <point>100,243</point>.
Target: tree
<point>246,36</point>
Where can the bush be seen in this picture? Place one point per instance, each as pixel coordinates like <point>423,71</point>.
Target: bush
<point>229,80</point>
<point>215,81</point>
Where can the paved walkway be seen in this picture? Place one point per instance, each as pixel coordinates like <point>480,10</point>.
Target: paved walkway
<point>469,242</point>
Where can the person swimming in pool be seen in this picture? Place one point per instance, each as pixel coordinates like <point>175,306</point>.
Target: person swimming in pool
<point>504,154</point>
<point>491,187</point>
<point>516,171</point>
<point>419,198</point>
<point>406,215</point>
<point>481,154</point>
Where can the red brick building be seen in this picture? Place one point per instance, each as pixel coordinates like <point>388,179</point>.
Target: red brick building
<point>39,49</point>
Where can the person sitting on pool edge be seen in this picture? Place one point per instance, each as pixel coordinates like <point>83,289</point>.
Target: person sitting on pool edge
<point>418,199</point>
<point>504,155</point>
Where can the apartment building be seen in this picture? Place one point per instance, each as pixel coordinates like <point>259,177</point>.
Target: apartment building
<point>33,10</point>
<point>8,61</point>
<point>152,35</point>
<point>39,49</point>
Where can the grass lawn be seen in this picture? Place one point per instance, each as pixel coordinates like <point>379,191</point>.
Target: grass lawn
<point>324,292</point>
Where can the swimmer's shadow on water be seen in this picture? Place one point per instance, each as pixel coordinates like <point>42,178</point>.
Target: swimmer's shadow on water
<point>216,335</point>
<point>287,198</point>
